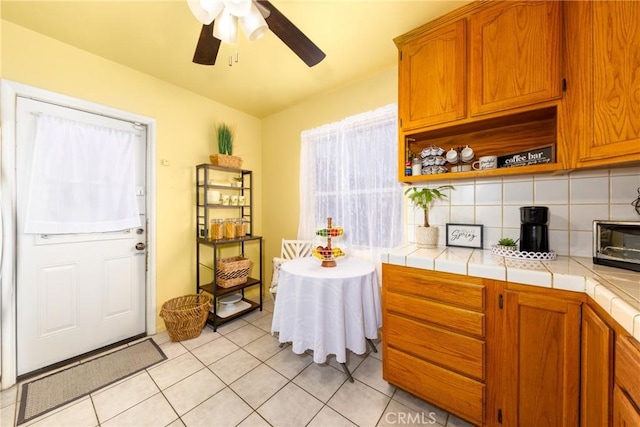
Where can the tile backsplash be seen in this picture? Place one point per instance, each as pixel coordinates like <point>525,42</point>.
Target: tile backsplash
<point>574,201</point>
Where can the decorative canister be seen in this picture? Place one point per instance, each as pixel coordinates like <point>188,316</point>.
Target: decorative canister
<point>229,226</point>
<point>416,167</point>
<point>216,229</point>
<point>240,230</point>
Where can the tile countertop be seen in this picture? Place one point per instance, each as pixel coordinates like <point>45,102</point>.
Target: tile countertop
<point>617,291</point>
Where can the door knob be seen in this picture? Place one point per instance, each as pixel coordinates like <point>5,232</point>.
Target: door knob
<point>140,246</point>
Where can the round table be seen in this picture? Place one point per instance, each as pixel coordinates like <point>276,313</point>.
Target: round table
<point>327,309</point>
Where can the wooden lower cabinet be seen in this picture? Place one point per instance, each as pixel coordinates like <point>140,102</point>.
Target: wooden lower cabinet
<point>541,343</point>
<point>625,413</point>
<point>460,353</point>
<point>484,350</point>
<point>434,338</point>
<point>626,394</point>
<point>596,376</point>
<point>450,391</point>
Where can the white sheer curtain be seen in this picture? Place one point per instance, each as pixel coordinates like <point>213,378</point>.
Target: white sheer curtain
<point>82,179</point>
<point>349,172</point>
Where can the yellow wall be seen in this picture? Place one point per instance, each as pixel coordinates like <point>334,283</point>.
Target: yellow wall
<point>271,147</point>
<point>0,42</point>
<point>281,149</point>
<point>184,122</point>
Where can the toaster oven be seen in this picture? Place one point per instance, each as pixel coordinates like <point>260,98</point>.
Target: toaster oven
<point>617,244</point>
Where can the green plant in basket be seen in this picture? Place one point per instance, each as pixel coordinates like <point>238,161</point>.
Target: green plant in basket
<point>506,241</point>
<point>225,139</point>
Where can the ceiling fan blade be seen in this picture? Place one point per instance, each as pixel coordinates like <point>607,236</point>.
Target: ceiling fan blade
<point>300,44</point>
<point>207,47</point>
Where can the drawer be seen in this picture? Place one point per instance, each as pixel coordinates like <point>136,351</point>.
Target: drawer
<point>627,367</point>
<point>624,411</point>
<point>455,318</point>
<point>454,289</point>
<point>441,347</point>
<point>452,392</point>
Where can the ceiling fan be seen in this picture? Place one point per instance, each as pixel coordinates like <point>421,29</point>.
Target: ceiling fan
<point>220,19</point>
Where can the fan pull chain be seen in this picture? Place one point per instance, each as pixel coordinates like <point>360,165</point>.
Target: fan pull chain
<point>231,57</point>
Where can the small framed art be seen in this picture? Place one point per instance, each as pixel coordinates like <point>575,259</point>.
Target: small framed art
<point>464,235</point>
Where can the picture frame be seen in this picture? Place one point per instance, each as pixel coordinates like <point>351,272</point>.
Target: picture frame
<point>464,235</point>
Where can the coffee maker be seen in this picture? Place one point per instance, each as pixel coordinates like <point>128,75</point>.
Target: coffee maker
<point>534,232</point>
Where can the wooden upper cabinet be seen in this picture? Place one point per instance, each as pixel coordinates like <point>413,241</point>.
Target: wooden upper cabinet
<point>432,77</point>
<point>515,55</point>
<point>616,82</point>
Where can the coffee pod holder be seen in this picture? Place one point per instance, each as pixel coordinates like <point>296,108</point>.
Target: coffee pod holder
<point>516,254</point>
<point>432,160</point>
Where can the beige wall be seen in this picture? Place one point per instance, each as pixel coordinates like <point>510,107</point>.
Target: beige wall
<point>281,149</point>
<point>184,133</point>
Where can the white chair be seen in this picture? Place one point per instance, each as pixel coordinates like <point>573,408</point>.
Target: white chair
<point>290,249</point>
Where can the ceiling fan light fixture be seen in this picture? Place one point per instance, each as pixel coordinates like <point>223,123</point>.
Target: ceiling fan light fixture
<point>205,11</point>
<point>238,7</point>
<point>263,10</point>
<point>225,27</point>
<point>253,24</point>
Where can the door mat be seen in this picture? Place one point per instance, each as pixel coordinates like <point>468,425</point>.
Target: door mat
<point>45,394</point>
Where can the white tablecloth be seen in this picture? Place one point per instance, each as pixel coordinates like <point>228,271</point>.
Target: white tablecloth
<point>327,310</point>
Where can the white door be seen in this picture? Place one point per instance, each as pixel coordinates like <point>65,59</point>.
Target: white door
<point>75,292</point>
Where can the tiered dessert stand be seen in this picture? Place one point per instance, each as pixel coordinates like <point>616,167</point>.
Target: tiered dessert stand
<point>328,254</point>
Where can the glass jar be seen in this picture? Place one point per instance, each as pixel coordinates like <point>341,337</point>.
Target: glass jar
<point>240,230</point>
<point>229,226</point>
<point>216,229</point>
<point>416,167</point>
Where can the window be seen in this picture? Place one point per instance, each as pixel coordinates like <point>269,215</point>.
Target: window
<point>348,171</point>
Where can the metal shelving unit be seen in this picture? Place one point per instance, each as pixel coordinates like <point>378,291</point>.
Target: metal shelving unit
<point>208,250</point>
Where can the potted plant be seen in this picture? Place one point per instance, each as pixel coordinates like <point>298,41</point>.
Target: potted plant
<point>224,134</point>
<point>423,198</point>
<point>507,244</point>
<point>225,139</point>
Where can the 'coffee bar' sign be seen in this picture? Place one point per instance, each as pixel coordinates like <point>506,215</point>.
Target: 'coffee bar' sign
<point>536,156</point>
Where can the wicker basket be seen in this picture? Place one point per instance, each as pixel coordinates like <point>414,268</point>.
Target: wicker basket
<point>232,271</point>
<point>226,161</point>
<point>185,316</point>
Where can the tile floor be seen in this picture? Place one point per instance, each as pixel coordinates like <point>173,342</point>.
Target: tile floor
<point>239,376</point>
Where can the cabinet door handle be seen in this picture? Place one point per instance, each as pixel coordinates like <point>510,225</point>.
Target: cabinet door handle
<point>140,246</point>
